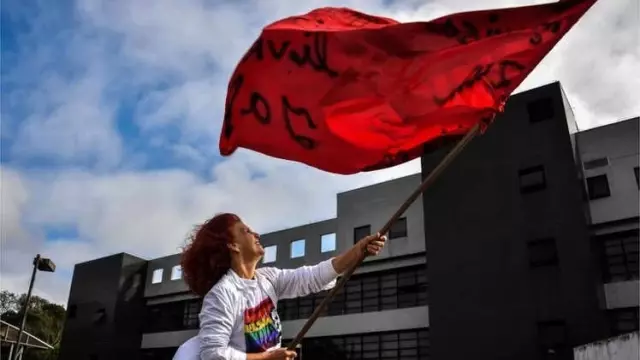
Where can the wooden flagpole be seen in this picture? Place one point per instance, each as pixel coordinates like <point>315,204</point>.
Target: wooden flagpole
<point>431,178</point>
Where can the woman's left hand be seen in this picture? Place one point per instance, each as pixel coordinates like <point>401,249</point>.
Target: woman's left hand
<point>373,244</point>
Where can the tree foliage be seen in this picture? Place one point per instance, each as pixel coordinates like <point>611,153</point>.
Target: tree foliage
<point>45,321</point>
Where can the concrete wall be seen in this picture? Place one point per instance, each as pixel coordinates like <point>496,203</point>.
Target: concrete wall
<point>400,319</point>
<point>107,285</point>
<point>373,205</point>
<point>130,307</point>
<point>483,292</point>
<point>619,143</point>
<point>167,286</point>
<point>622,294</point>
<point>311,233</point>
<point>390,320</point>
<point>624,347</point>
<point>407,261</point>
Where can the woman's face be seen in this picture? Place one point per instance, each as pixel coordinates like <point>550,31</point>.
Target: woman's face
<point>246,242</point>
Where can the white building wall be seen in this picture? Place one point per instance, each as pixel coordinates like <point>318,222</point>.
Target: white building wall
<point>624,347</point>
<point>618,143</point>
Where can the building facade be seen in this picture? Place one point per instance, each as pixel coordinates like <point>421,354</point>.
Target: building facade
<point>610,166</point>
<point>516,264</point>
<point>526,257</point>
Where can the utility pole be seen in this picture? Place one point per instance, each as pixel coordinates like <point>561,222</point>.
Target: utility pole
<point>18,353</point>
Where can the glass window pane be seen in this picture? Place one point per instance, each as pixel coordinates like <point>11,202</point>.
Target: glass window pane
<point>176,272</point>
<point>297,248</point>
<point>157,276</point>
<point>270,254</point>
<point>532,179</point>
<point>361,232</point>
<point>598,187</point>
<point>398,229</point>
<point>328,242</point>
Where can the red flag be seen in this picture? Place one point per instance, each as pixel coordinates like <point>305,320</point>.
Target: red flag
<point>346,92</point>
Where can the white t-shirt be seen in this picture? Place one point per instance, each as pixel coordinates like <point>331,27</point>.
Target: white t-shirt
<point>239,316</point>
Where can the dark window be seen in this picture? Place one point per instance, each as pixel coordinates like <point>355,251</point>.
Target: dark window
<point>306,307</point>
<point>385,290</point>
<point>598,187</point>
<point>398,229</point>
<point>173,316</point>
<point>532,179</point>
<point>543,252</point>
<point>635,172</point>
<point>552,339</point>
<point>191,311</point>
<point>624,320</point>
<point>620,255</point>
<point>540,110</point>
<point>405,345</point>
<point>360,232</point>
<point>71,312</point>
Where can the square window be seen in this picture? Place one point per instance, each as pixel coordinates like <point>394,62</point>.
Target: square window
<point>543,252</point>
<point>157,276</point>
<point>598,187</point>
<point>297,248</point>
<point>532,179</point>
<point>176,272</point>
<point>361,232</point>
<point>540,110</point>
<point>398,229</point>
<point>624,320</point>
<point>270,253</point>
<point>620,254</point>
<point>328,242</point>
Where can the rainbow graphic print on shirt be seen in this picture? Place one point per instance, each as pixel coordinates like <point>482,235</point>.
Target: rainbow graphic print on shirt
<point>262,329</point>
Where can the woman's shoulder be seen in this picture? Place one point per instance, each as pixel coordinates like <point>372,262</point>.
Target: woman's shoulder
<point>268,270</point>
<point>270,274</point>
<point>223,289</point>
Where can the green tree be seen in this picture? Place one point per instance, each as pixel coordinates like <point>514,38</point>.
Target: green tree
<point>45,321</point>
<point>8,302</point>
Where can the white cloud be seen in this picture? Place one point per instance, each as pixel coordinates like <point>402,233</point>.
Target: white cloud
<point>191,106</point>
<point>70,122</point>
<point>175,57</point>
<point>19,245</point>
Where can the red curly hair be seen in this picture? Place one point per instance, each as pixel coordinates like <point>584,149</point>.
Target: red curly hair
<point>206,257</point>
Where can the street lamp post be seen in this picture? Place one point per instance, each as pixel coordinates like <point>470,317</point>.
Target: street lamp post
<point>41,264</point>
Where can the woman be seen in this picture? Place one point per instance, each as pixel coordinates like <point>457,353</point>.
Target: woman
<point>239,318</point>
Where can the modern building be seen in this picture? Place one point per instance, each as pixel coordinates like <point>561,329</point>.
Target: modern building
<point>515,231</point>
<point>610,167</point>
<point>516,252</point>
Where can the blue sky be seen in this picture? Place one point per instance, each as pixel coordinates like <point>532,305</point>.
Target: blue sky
<point>111,111</point>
